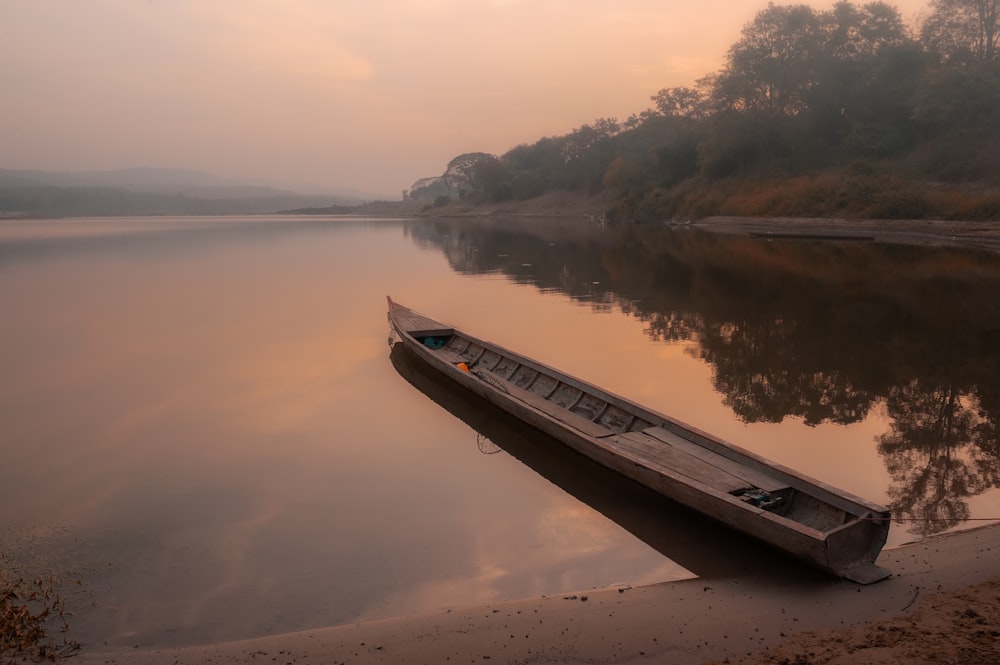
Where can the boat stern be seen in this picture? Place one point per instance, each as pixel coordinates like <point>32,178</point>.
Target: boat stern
<point>853,548</point>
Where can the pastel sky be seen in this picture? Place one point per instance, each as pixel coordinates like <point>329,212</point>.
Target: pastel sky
<point>363,94</point>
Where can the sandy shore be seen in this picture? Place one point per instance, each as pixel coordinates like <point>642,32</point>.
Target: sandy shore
<point>942,605</point>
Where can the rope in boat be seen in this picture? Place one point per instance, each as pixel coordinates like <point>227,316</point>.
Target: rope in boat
<point>946,519</point>
<point>933,519</point>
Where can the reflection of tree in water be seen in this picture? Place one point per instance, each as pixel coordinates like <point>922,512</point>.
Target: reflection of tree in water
<point>988,429</point>
<point>820,331</point>
<point>765,376</point>
<point>937,455</point>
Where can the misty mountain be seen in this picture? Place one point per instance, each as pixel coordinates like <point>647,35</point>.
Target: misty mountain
<point>141,191</point>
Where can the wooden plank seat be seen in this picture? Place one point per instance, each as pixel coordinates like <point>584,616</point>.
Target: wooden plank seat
<point>668,450</point>
<point>755,477</point>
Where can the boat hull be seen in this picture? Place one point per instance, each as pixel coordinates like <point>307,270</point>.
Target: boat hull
<point>826,527</point>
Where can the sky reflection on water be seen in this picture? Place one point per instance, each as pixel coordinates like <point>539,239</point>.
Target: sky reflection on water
<point>201,418</point>
<point>217,420</point>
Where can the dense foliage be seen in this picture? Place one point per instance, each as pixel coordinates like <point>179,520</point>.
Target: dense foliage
<point>840,112</point>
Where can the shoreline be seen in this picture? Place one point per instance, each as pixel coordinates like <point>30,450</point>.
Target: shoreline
<point>688,622</point>
<point>936,233</point>
<point>928,232</point>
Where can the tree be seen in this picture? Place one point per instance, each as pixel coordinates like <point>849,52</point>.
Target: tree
<point>679,102</point>
<point>858,33</point>
<point>793,58</point>
<point>958,111</point>
<point>747,143</point>
<point>960,99</point>
<point>963,30</point>
<point>464,173</point>
<point>849,99</point>
<point>934,456</point>
<point>427,189</point>
<point>535,168</point>
<point>772,66</point>
<point>491,180</point>
<point>587,151</point>
<point>585,137</point>
<point>823,76</point>
<point>878,114</point>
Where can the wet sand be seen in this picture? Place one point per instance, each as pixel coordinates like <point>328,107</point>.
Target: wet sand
<point>941,605</point>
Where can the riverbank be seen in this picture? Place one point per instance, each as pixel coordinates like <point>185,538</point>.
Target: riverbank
<point>942,605</point>
<point>567,205</point>
<point>939,233</point>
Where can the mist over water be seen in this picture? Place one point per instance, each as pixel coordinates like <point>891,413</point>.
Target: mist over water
<point>202,420</point>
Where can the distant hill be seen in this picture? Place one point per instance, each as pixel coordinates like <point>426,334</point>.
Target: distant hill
<point>146,191</point>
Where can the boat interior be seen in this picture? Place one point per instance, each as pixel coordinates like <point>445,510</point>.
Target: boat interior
<point>638,435</point>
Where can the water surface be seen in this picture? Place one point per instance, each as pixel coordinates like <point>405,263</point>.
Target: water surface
<point>202,420</point>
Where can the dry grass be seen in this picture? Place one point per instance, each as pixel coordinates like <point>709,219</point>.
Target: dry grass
<point>857,192</point>
<point>30,611</point>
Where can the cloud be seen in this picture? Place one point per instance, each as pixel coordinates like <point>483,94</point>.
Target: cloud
<point>295,40</point>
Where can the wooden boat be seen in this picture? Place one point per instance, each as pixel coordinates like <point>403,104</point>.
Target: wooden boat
<point>702,546</point>
<point>825,526</point>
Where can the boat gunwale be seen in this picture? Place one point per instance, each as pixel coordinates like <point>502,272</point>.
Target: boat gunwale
<point>858,508</point>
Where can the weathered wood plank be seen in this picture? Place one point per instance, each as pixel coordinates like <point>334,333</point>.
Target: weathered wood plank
<point>655,454</point>
<point>749,475</point>
<point>448,355</point>
<point>588,427</point>
<point>414,322</point>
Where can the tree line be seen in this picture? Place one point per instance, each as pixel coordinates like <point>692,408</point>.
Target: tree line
<point>840,112</point>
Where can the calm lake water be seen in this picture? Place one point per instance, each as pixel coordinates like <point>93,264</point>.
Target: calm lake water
<point>202,422</point>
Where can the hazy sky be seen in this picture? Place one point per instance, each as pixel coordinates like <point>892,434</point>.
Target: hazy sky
<point>365,94</point>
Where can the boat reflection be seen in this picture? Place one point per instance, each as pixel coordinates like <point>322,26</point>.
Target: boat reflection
<point>702,546</point>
